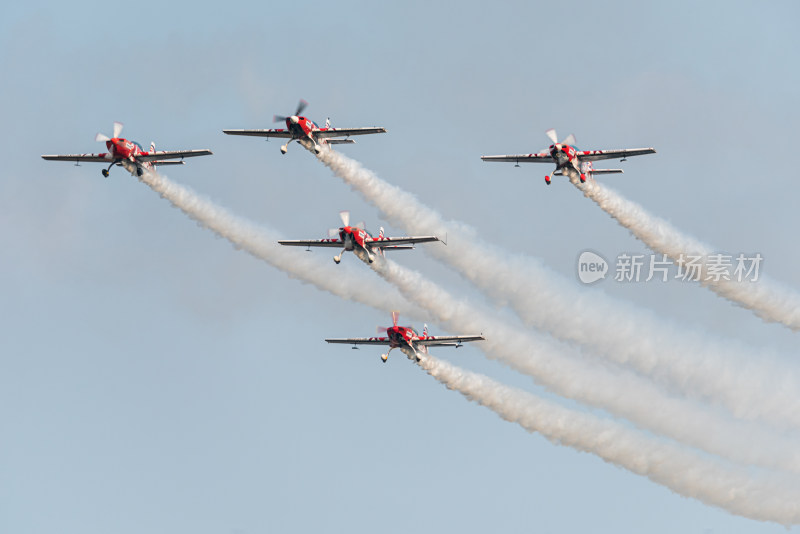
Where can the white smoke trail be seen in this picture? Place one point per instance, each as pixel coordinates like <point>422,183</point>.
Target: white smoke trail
<point>257,241</point>
<point>750,383</point>
<point>620,392</point>
<point>760,496</point>
<point>768,299</point>
<point>263,243</point>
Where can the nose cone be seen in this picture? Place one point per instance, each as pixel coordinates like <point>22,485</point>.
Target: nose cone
<point>294,119</point>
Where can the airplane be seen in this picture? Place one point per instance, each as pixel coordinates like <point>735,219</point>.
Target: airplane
<point>570,161</point>
<point>129,154</point>
<point>306,132</point>
<point>405,338</point>
<point>359,241</point>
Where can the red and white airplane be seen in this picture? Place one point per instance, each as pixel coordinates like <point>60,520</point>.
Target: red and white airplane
<point>571,161</point>
<point>359,241</point>
<point>305,131</point>
<point>408,340</point>
<point>129,154</point>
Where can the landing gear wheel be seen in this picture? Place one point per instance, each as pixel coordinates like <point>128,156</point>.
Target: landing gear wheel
<point>547,180</point>
<point>583,178</point>
<point>105,173</point>
<point>139,171</point>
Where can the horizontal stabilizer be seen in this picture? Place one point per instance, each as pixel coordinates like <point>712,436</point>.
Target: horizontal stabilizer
<point>340,141</point>
<point>606,171</point>
<point>594,171</point>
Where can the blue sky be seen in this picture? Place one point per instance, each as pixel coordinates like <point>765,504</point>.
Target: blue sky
<point>156,379</point>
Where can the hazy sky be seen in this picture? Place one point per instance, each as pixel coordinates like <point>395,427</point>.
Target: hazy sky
<point>155,379</point>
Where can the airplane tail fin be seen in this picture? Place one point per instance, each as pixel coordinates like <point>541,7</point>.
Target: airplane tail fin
<point>380,234</point>
<point>153,149</point>
<point>425,330</point>
<point>328,122</point>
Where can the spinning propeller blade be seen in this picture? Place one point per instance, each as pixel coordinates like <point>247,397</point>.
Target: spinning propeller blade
<point>551,133</point>
<point>345,215</point>
<point>117,129</point>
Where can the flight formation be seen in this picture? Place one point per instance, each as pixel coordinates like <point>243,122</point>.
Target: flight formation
<point>569,161</point>
<point>745,473</point>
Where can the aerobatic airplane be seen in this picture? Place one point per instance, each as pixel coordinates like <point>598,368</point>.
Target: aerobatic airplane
<point>359,241</point>
<point>129,154</point>
<point>569,160</point>
<point>405,338</point>
<point>305,131</point>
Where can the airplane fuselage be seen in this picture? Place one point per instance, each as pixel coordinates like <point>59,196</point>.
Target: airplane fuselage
<point>402,337</point>
<point>125,153</point>
<point>565,155</point>
<point>301,127</point>
<point>567,161</point>
<point>355,239</point>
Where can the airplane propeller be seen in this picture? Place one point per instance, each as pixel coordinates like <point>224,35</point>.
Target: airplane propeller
<point>551,134</point>
<point>382,329</point>
<point>104,138</point>
<point>300,107</point>
<point>345,215</point>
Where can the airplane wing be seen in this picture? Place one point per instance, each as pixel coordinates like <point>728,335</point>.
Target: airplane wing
<point>361,341</point>
<point>391,241</point>
<point>595,155</point>
<point>325,133</point>
<point>96,158</point>
<point>313,243</point>
<point>171,154</point>
<point>595,171</point>
<point>542,157</point>
<point>445,341</point>
<point>281,133</point>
